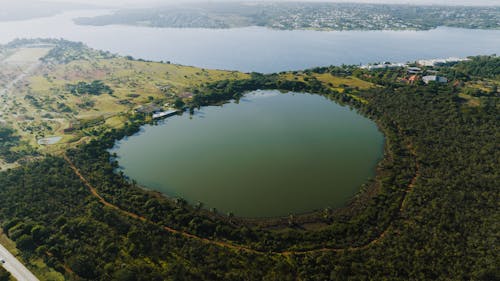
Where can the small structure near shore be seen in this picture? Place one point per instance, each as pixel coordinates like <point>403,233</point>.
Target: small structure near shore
<point>164,114</point>
<point>49,141</point>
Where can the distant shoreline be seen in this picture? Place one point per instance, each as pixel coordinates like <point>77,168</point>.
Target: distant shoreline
<point>303,16</point>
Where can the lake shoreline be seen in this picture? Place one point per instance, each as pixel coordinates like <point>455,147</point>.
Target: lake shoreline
<point>298,144</point>
<point>259,49</point>
<point>310,220</point>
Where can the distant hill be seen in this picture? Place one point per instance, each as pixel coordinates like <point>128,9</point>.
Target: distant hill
<point>304,15</point>
<point>26,9</point>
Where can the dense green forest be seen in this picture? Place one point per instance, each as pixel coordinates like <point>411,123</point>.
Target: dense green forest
<point>95,88</point>
<point>4,275</point>
<point>477,67</point>
<point>8,140</point>
<point>431,213</point>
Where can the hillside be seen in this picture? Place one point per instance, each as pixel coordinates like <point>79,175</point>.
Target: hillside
<point>52,90</point>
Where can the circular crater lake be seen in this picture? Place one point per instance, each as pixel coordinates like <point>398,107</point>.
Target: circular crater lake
<point>269,154</point>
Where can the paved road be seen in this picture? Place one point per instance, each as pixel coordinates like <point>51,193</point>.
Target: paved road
<point>15,267</point>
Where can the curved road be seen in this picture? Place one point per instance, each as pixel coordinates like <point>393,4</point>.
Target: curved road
<point>15,267</point>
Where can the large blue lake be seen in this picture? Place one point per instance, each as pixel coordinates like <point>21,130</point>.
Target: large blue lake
<point>259,49</point>
<point>271,154</point>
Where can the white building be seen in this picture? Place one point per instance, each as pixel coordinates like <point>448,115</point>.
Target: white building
<point>434,78</point>
<point>383,66</point>
<point>434,62</point>
<point>414,70</point>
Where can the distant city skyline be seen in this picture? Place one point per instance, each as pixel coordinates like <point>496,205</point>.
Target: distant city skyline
<point>159,2</point>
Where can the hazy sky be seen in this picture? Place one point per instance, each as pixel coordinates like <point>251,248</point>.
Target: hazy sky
<point>149,2</point>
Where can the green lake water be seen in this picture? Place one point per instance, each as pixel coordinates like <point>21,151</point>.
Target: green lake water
<point>270,154</point>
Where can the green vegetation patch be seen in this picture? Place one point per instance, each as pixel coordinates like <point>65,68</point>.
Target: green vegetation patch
<point>8,140</point>
<point>4,274</point>
<point>95,88</point>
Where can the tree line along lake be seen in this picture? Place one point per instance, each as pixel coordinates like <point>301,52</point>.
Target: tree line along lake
<point>270,154</point>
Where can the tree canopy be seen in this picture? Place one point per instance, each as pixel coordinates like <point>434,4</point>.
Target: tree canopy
<point>431,213</point>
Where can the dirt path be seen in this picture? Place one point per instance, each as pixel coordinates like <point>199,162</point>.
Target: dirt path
<point>143,219</point>
<point>381,236</point>
<point>231,246</point>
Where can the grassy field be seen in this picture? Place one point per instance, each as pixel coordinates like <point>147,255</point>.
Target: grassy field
<point>473,91</point>
<point>334,82</point>
<point>26,55</point>
<point>341,82</point>
<point>470,100</point>
<point>40,105</point>
<point>133,83</point>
